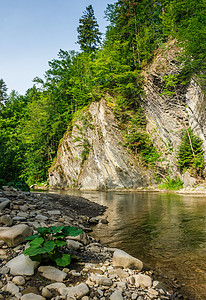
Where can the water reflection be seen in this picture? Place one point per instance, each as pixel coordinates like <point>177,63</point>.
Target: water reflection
<point>166,231</point>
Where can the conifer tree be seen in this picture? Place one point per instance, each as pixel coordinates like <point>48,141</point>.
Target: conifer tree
<point>89,35</point>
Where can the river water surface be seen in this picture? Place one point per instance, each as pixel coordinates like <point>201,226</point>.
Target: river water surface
<point>166,231</point>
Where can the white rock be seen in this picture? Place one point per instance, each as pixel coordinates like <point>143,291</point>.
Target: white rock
<point>19,280</point>
<point>123,259</point>
<point>101,280</point>
<point>54,212</point>
<point>32,296</point>
<point>78,291</point>
<point>46,293</point>
<point>71,244</point>
<point>15,235</point>
<point>11,288</point>
<point>116,295</point>
<point>52,273</point>
<point>152,293</point>
<point>22,265</point>
<point>55,286</point>
<point>143,280</point>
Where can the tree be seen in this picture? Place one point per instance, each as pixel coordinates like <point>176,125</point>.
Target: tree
<point>89,35</point>
<point>3,94</point>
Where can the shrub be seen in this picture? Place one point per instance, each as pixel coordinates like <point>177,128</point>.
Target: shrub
<point>171,184</point>
<point>186,160</point>
<point>48,244</point>
<point>139,142</point>
<point>19,184</point>
<point>2,182</point>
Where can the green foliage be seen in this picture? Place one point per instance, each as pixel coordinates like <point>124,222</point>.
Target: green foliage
<point>32,125</point>
<point>171,184</point>
<point>2,182</point>
<point>139,142</point>
<point>89,36</point>
<point>19,184</point>
<point>49,243</point>
<point>136,138</point>
<point>186,160</point>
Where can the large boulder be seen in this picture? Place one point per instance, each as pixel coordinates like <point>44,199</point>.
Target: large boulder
<point>123,259</point>
<point>15,235</point>
<point>22,265</point>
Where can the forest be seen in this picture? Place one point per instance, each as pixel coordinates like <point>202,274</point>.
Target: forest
<point>32,125</point>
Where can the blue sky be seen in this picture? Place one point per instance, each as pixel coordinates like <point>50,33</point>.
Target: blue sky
<point>33,31</point>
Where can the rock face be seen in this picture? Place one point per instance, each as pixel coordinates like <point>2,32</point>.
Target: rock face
<point>92,156</point>
<point>167,114</point>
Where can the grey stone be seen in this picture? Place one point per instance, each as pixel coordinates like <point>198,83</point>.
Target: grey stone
<point>6,220</point>
<point>123,259</point>
<point>15,235</point>
<point>116,295</point>
<point>19,280</point>
<point>22,214</point>
<point>4,202</point>
<point>71,244</point>
<point>22,265</point>
<point>3,254</point>
<point>19,219</point>
<point>54,212</point>
<point>55,286</point>
<point>143,280</point>
<point>40,218</point>
<point>152,293</point>
<point>101,280</point>
<point>46,293</point>
<point>32,296</point>
<point>4,270</point>
<point>52,273</point>
<point>76,292</point>
<point>11,288</point>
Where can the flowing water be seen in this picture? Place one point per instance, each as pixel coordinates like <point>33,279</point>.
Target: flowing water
<point>166,231</point>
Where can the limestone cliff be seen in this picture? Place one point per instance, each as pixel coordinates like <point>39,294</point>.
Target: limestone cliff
<point>91,156</point>
<point>166,115</point>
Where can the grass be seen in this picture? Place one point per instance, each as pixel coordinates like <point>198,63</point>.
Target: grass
<point>171,184</point>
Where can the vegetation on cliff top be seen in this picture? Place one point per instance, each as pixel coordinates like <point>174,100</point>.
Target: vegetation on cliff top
<point>32,125</point>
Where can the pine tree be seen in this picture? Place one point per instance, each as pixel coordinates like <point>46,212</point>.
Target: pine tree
<point>3,94</point>
<point>89,35</point>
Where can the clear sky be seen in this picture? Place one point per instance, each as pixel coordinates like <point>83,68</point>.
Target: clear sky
<point>33,31</point>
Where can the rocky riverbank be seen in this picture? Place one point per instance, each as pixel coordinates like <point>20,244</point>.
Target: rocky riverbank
<point>98,273</point>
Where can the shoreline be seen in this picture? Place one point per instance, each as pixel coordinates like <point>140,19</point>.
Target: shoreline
<point>79,212</point>
<point>197,190</point>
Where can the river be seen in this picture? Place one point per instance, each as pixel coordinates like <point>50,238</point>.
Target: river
<point>166,231</point>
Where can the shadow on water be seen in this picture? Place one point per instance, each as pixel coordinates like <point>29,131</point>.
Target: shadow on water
<point>166,231</point>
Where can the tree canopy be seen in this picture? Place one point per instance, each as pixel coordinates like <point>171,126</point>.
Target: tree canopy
<point>32,125</point>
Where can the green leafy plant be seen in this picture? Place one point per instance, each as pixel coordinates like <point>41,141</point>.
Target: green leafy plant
<point>48,244</point>
<point>171,184</point>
